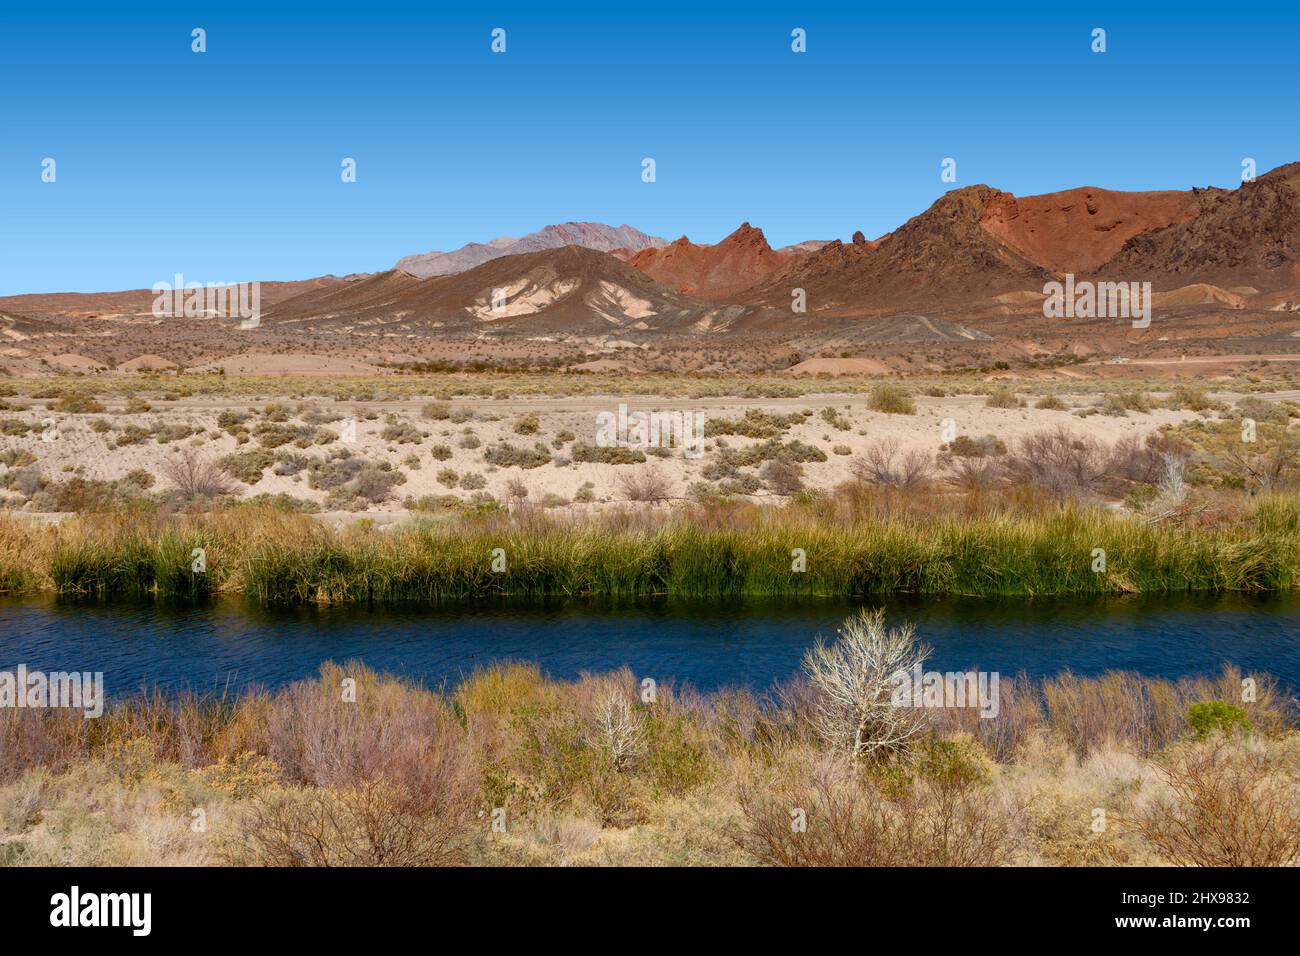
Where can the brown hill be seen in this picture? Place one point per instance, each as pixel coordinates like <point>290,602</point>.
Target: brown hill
<point>570,290</point>
<point>138,303</point>
<point>1248,236</point>
<point>944,256</point>
<point>20,328</point>
<point>1078,229</point>
<point>720,271</point>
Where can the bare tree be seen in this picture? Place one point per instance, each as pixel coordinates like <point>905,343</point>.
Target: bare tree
<point>620,730</point>
<point>854,678</point>
<point>1061,462</point>
<point>1173,477</point>
<point>883,464</point>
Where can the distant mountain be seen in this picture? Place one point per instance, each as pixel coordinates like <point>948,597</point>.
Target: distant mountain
<point>138,303</point>
<point>589,235</point>
<point>571,290</point>
<point>720,271</point>
<point>803,248</point>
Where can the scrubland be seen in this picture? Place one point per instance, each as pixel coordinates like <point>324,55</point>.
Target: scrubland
<point>513,768</point>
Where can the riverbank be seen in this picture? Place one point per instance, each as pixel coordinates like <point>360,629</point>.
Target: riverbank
<point>512,768</point>
<point>815,549</point>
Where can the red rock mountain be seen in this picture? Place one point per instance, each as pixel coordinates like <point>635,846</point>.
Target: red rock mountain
<point>943,255</point>
<point>1248,236</point>
<point>1079,229</point>
<point>977,243</point>
<point>715,272</point>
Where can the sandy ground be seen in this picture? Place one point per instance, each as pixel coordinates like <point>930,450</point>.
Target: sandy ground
<point>79,450</point>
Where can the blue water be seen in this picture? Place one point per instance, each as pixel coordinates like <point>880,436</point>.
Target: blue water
<point>231,643</point>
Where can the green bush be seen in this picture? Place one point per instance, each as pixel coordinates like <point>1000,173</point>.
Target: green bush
<point>1217,716</point>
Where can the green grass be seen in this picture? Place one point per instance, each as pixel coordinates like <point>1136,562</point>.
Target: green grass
<point>275,557</point>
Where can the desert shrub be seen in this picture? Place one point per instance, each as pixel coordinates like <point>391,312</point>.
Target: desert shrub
<point>783,477</point>
<point>1191,397</point>
<point>892,399</point>
<point>506,455</point>
<point>401,433</point>
<point>1050,403</point>
<point>438,411</point>
<point>132,435</point>
<point>231,421</point>
<point>755,423</point>
<point>842,450</point>
<point>247,466</point>
<point>1002,398</point>
<point>472,481</point>
<point>742,484</point>
<point>1225,803</point>
<point>166,432</point>
<point>1060,462</point>
<point>835,419</point>
<point>526,425</point>
<point>585,493</point>
<point>469,440</point>
<point>275,434</point>
<point>1261,410</point>
<point>78,404</point>
<point>196,477</point>
<point>884,464</point>
<point>963,446</point>
<point>648,484</point>
<point>440,452</point>
<point>1119,404</point>
<point>973,474</point>
<point>612,455</point>
<point>16,458</point>
<point>1269,465</point>
<point>774,450</point>
<point>855,821</point>
<point>448,477</point>
<point>372,824</point>
<point>375,482</point>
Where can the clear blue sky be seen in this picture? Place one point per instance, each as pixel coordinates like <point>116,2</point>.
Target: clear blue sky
<point>225,165</point>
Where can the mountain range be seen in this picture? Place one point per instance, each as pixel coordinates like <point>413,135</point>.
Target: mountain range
<point>977,255</point>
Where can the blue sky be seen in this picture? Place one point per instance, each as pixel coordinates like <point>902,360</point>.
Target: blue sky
<point>225,165</point>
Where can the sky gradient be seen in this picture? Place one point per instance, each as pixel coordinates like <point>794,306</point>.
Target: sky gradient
<point>225,165</point>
